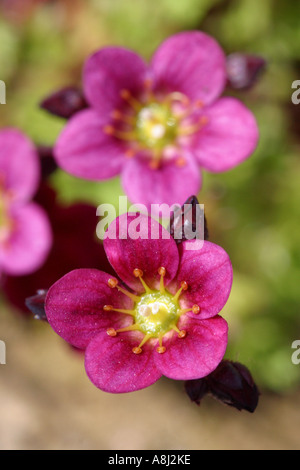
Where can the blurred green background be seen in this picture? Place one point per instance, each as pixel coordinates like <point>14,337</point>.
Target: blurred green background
<point>253,210</point>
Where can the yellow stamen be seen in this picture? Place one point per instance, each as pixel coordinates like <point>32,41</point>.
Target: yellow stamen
<point>130,153</point>
<point>193,128</point>
<point>162,272</point>
<point>161,349</point>
<point>110,308</point>
<point>195,309</point>
<point>138,349</point>
<point>128,328</point>
<point>118,116</point>
<point>184,286</point>
<point>181,333</point>
<point>112,283</point>
<point>111,332</point>
<point>156,159</point>
<point>148,86</point>
<point>180,162</point>
<point>122,135</point>
<point>139,273</point>
<point>134,103</point>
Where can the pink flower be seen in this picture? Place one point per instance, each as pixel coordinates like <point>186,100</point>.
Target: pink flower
<point>165,322</point>
<point>155,125</point>
<point>25,233</point>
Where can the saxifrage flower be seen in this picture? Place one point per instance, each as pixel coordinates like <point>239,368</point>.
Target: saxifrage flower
<point>25,232</point>
<point>156,125</point>
<point>159,318</point>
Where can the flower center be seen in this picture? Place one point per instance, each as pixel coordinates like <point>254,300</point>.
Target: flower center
<point>155,313</point>
<point>156,127</point>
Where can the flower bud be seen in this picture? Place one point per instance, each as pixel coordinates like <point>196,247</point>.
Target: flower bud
<point>36,304</point>
<point>243,70</point>
<point>65,103</point>
<point>231,383</point>
<point>185,221</point>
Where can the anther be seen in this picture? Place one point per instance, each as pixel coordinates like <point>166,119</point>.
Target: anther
<point>112,283</point>
<point>162,271</point>
<point>108,308</point>
<point>137,350</point>
<point>182,334</point>
<point>130,153</point>
<point>148,83</point>
<point>180,162</point>
<point>154,164</point>
<point>116,114</point>
<point>196,309</point>
<point>184,285</point>
<point>109,130</point>
<point>127,96</point>
<point>161,349</point>
<point>138,272</point>
<point>111,332</point>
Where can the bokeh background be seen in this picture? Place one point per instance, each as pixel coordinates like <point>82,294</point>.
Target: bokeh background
<point>46,400</point>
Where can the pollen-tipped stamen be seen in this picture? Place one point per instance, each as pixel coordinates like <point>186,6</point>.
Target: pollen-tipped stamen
<point>155,161</point>
<point>195,309</point>
<point>119,116</point>
<point>160,349</point>
<point>110,308</point>
<point>148,83</point>
<point>113,283</point>
<point>122,135</point>
<point>133,102</point>
<point>192,128</point>
<point>139,273</point>
<point>138,349</point>
<point>183,286</point>
<point>162,272</point>
<point>181,333</point>
<point>130,153</point>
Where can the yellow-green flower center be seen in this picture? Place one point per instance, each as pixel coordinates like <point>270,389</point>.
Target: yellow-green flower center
<point>156,314</point>
<point>156,126</point>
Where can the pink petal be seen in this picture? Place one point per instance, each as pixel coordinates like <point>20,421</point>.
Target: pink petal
<point>207,269</point>
<point>126,254</point>
<point>191,63</point>
<point>19,164</point>
<point>196,355</point>
<point>170,184</point>
<point>113,367</point>
<point>84,150</point>
<point>230,136</point>
<point>107,73</point>
<point>29,243</point>
<point>74,306</point>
